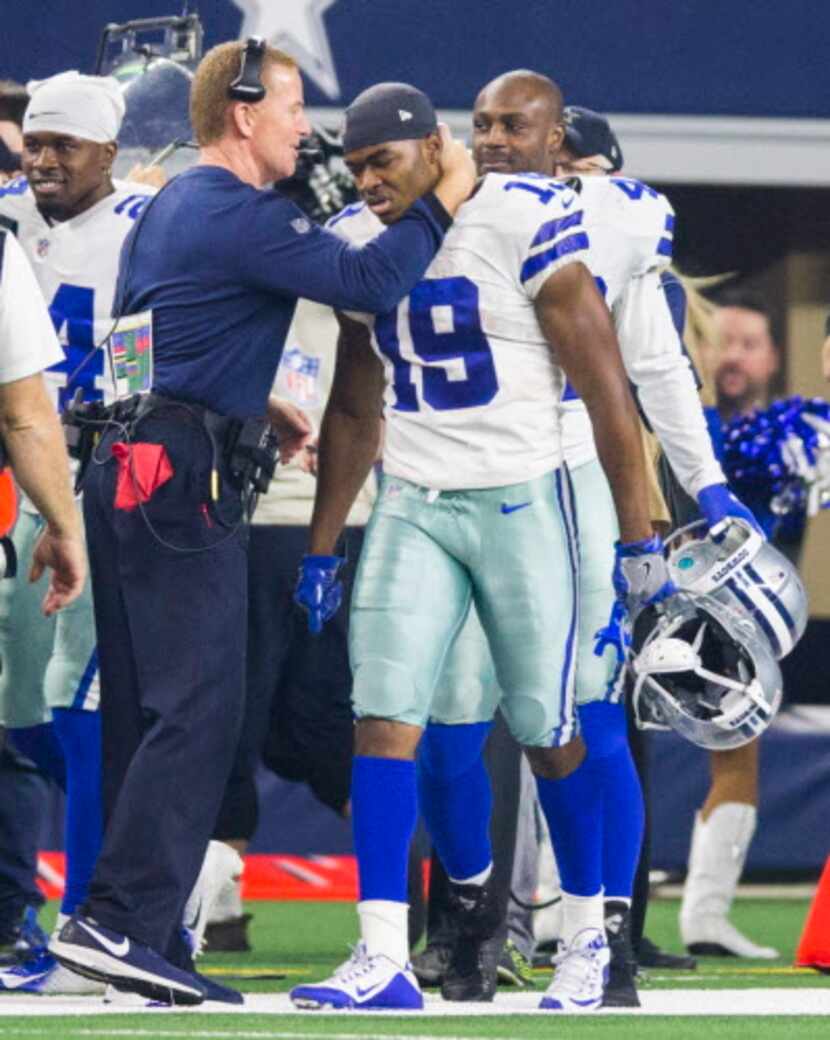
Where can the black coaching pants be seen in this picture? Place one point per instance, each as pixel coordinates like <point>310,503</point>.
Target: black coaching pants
<point>171,622</point>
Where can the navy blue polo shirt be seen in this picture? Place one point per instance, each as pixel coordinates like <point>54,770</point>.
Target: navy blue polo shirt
<point>222,265</point>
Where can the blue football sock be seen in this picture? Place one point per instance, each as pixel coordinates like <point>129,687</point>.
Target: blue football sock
<point>605,731</point>
<point>79,733</point>
<point>572,809</point>
<point>384,813</point>
<point>41,745</point>
<point>455,797</point>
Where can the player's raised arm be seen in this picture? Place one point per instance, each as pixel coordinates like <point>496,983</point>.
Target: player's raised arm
<point>578,326</point>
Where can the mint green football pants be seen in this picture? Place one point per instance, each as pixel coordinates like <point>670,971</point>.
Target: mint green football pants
<point>428,557</point>
<point>468,690</point>
<point>46,662</point>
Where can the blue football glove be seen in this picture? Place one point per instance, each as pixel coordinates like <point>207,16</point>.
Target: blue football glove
<point>718,504</point>
<point>318,591</point>
<point>641,579</point>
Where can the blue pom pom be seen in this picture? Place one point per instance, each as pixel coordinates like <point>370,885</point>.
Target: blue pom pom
<point>754,461</point>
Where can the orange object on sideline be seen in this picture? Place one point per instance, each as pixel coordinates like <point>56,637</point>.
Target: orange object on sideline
<point>275,875</point>
<point>814,948</point>
<point>8,502</point>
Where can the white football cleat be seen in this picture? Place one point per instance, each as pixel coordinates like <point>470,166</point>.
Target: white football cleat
<point>580,974</point>
<point>363,982</point>
<point>222,865</point>
<point>42,974</point>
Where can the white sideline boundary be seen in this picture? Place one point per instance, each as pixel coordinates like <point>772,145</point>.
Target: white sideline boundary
<point>677,1003</point>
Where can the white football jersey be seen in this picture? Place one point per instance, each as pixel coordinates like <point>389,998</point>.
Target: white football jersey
<point>631,228</point>
<point>27,339</point>
<point>304,377</point>
<point>472,389</point>
<point>76,264</point>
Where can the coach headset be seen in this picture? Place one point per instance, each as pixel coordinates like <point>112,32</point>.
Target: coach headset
<point>248,85</point>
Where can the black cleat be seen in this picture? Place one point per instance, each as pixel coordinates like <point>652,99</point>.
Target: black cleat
<point>621,988</point>
<point>430,965</point>
<point>229,936</point>
<point>651,956</point>
<point>471,974</point>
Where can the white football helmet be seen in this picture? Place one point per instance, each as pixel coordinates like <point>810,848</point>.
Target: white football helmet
<point>707,672</point>
<point>745,573</point>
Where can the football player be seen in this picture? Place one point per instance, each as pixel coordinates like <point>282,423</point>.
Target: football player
<point>517,125</point>
<point>471,388</point>
<point>71,219</point>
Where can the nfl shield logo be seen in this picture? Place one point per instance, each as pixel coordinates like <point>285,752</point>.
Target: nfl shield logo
<point>42,247</point>
<point>299,374</point>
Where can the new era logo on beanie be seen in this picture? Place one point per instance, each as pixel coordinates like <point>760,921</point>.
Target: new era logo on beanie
<point>388,112</point>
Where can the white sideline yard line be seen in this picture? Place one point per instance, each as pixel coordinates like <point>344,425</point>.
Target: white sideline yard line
<point>677,1003</point>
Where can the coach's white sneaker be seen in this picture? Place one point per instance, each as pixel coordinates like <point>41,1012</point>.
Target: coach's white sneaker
<point>222,865</point>
<point>580,974</point>
<point>716,861</point>
<point>363,982</point>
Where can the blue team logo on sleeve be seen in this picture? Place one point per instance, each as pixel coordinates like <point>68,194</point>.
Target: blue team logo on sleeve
<point>16,187</point>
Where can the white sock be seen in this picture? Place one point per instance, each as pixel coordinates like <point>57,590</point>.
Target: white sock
<point>476,879</point>
<point>228,905</point>
<point>579,912</point>
<point>384,928</point>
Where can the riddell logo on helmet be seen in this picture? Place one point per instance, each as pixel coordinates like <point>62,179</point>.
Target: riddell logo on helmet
<point>730,565</point>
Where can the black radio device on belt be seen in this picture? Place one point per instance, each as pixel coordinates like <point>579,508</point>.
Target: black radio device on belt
<point>248,85</point>
<point>253,454</point>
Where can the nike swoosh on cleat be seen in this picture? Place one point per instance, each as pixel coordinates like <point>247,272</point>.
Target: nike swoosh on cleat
<point>584,1003</point>
<point>21,980</point>
<point>120,949</point>
<point>505,508</point>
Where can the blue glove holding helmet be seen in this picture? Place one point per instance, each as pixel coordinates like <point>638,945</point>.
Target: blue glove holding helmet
<point>318,591</point>
<point>641,579</point>
<point>718,505</point>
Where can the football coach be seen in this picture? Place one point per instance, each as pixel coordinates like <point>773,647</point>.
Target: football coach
<point>211,273</point>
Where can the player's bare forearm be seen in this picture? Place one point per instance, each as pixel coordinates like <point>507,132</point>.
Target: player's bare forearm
<point>34,440</point>
<point>350,435</point>
<point>578,326</point>
<point>348,447</point>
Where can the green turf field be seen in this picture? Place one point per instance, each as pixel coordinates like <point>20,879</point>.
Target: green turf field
<point>303,941</point>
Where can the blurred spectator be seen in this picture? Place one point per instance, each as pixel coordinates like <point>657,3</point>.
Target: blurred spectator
<point>743,360</point>
<point>13,100</point>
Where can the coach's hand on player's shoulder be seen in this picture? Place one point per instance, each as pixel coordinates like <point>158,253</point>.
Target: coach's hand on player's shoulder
<point>63,554</point>
<point>458,171</point>
<point>318,590</point>
<point>292,426</point>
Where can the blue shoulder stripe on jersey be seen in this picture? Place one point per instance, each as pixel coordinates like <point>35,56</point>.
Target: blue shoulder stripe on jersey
<point>665,247</point>
<point>349,211</point>
<point>16,187</point>
<point>669,222</point>
<point>534,264</point>
<point>553,228</point>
